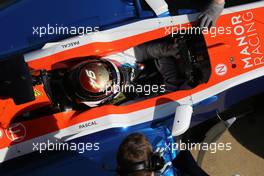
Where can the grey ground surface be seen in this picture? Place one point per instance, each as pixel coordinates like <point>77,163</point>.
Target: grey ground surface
<point>247,155</point>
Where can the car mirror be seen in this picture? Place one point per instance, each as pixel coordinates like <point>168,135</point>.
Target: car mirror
<point>182,119</point>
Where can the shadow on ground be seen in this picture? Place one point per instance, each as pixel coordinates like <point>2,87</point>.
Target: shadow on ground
<point>249,131</point>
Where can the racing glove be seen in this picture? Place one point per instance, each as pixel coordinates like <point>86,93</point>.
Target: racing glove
<point>209,17</point>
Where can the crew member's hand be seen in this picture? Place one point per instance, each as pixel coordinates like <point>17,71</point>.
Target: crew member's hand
<point>209,17</point>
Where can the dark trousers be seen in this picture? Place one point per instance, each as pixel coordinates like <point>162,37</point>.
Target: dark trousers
<point>169,67</point>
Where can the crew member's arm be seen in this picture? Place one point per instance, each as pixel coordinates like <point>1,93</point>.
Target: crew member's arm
<point>210,15</point>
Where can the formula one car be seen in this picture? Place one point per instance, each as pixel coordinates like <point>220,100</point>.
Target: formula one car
<point>230,68</point>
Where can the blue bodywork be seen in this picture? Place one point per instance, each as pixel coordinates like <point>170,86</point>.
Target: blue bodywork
<point>19,17</point>
<point>103,162</point>
<point>16,34</point>
<point>95,163</point>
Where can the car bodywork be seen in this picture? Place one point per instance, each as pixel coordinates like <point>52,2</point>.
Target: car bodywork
<point>237,72</point>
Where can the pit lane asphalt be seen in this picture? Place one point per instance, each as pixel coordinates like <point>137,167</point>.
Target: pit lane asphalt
<point>246,157</point>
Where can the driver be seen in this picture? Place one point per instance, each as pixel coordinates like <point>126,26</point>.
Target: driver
<point>94,81</point>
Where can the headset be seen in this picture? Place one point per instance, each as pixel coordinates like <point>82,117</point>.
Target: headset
<point>154,164</point>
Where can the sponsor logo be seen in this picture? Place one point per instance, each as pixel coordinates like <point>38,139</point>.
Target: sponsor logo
<point>16,132</point>
<point>37,93</point>
<point>71,45</point>
<point>221,69</point>
<point>87,124</point>
<point>248,39</point>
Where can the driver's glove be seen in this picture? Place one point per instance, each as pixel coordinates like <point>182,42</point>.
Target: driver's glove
<point>209,17</point>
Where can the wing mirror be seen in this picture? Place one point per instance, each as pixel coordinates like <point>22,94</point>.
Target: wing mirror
<point>182,119</point>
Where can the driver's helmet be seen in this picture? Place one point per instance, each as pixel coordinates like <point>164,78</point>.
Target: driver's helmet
<point>93,82</point>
